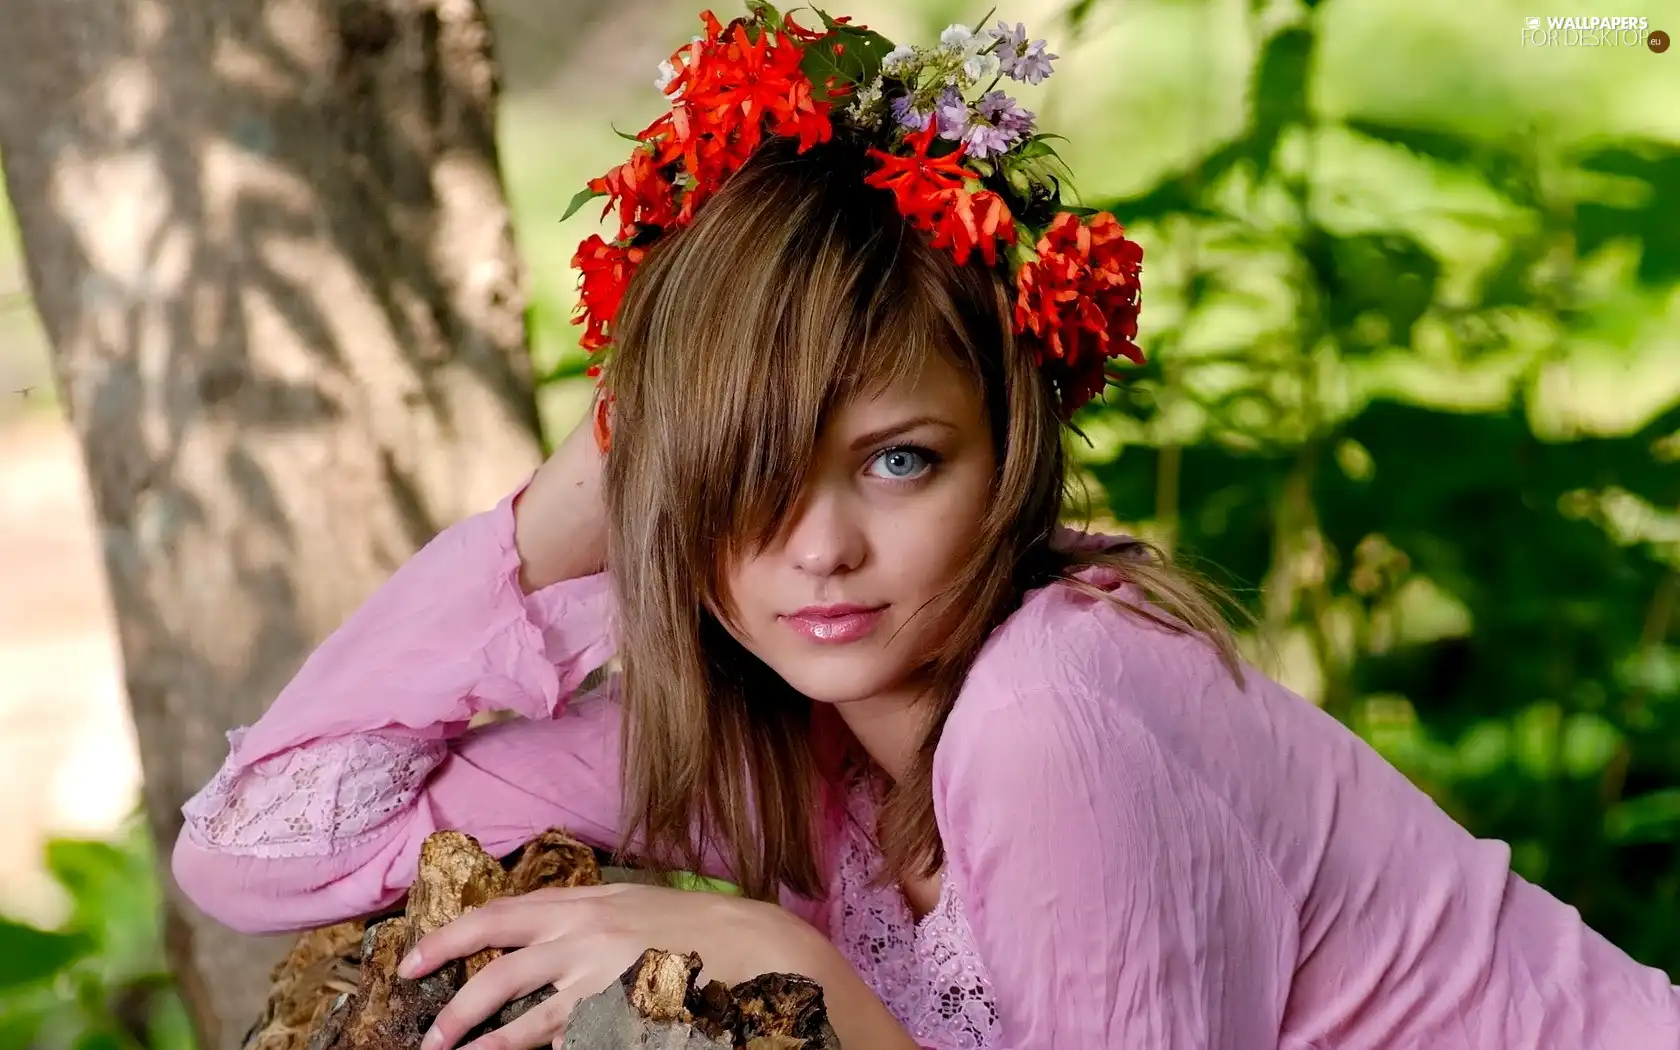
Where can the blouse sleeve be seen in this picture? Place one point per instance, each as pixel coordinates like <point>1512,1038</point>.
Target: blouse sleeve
<point>1112,898</point>
<point>318,813</point>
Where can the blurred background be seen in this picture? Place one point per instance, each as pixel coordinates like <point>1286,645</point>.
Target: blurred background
<point>1413,314</point>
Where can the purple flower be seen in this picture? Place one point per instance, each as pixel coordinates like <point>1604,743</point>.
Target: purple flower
<point>1011,41</point>
<point>987,140</point>
<point>1022,61</point>
<point>1001,124</point>
<point>1034,66</point>
<point>1006,113</point>
<point>908,116</point>
<point>952,112</point>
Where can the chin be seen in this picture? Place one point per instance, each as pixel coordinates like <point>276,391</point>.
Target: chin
<point>840,679</point>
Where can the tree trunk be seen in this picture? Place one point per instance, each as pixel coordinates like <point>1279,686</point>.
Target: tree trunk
<point>269,244</point>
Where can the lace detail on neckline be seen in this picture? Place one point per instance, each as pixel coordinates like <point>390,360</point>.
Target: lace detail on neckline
<point>927,972</point>
<point>314,799</point>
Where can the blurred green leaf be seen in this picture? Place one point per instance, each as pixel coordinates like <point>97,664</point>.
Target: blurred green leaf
<point>28,955</point>
<point>1513,281</point>
<point>1184,192</point>
<point>1279,95</point>
<point>102,1040</point>
<point>170,1027</point>
<point>18,1027</point>
<point>1078,13</point>
<point>1390,279</point>
<point>1500,161</point>
<point>1652,222</point>
<point>114,894</point>
<point>1653,817</point>
<point>1589,744</point>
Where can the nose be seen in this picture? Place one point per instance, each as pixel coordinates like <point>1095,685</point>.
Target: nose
<point>825,536</point>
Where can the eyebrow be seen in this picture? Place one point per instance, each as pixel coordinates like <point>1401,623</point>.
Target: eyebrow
<point>876,437</point>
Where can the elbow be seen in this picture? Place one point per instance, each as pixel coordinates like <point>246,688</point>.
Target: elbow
<point>233,889</point>
<point>252,895</point>
<point>213,882</point>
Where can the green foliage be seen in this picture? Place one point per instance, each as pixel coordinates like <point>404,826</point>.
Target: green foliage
<point>1370,408</point>
<point>100,983</point>
<point>850,60</point>
<point>582,197</point>
<point>1350,416</point>
<point>28,955</point>
<point>1483,588</point>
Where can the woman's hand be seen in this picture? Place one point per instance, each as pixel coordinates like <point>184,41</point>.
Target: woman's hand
<point>560,520</point>
<point>581,940</point>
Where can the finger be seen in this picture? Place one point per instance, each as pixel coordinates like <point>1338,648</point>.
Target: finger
<point>567,996</point>
<point>539,1026</point>
<point>579,893</point>
<point>502,981</point>
<point>504,923</point>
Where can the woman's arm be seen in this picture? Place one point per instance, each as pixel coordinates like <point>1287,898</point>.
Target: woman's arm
<point>560,526</point>
<point>1113,900</point>
<point>857,1014</point>
<point>319,810</point>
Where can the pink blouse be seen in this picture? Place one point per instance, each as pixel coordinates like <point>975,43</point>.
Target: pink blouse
<point>1141,853</point>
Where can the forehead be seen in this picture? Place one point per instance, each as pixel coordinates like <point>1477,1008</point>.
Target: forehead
<point>935,387</point>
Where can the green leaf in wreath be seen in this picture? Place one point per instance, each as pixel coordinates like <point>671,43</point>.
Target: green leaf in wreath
<point>849,56</point>
<point>584,196</point>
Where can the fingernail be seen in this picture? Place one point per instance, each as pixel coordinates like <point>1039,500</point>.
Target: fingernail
<point>410,965</point>
<point>433,1040</point>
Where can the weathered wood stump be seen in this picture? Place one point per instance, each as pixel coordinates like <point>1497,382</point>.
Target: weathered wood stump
<point>338,988</point>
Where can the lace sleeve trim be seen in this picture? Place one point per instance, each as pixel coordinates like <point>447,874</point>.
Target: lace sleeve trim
<point>313,800</point>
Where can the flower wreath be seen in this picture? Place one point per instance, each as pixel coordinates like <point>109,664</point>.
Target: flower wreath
<point>970,171</point>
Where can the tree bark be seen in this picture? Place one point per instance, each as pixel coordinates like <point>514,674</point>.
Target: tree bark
<point>269,244</point>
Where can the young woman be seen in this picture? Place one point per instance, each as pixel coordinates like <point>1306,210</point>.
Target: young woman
<point>993,783</point>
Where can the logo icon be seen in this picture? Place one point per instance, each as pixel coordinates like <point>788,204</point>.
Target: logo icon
<point>1657,41</point>
<point>1533,23</point>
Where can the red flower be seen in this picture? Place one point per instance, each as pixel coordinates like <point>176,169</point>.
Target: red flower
<point>918,181</point>
<point>605,269</point>
<point>602,414</point>
<point>964,221</point>
<point>730,92</point>
<point>640,192</point>
<point>734,90</point>
<point>1078,301</point>
<point>931,193</point>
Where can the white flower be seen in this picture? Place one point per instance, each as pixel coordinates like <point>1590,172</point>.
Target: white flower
<point>980,67</point>
<point>898,60</point>
<point>956,37</point>
<point>667,73</point>
<point>866,105</point>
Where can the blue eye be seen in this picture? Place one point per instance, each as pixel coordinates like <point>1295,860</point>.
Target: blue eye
<point>902,463</point>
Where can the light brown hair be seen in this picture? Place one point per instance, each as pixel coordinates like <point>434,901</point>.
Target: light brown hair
<point>796,289</point>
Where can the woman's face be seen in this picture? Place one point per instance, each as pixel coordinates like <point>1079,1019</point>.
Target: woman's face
<point>839,603</point>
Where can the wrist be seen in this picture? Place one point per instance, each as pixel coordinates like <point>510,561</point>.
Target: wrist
<point>857,1014</point>
<point>556,536</point>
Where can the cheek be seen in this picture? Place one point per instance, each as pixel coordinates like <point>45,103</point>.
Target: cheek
<point>927,541</point>
<point>747,586</point>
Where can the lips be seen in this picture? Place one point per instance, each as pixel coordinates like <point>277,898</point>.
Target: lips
<point>835,624</point>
